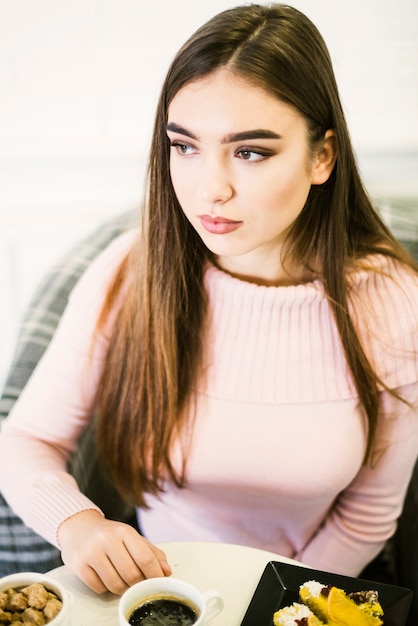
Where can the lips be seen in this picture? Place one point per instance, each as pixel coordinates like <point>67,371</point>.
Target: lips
<point>218,225</point>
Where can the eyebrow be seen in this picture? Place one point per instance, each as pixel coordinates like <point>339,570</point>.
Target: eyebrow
<point>258,133</point>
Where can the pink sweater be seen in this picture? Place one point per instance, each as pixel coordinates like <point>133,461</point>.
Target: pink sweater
<point>276,457</point>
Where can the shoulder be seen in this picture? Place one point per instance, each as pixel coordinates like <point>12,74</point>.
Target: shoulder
<point>384,290</point>
<point>382,272</point>
<point>383,301</point>
<point>97,277</point>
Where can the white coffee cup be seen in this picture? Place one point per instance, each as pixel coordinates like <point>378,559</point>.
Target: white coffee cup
<point>206,604</point>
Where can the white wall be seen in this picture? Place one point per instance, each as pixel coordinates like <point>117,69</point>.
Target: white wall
<point>78,84</point>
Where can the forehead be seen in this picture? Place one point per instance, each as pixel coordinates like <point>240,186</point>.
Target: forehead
<point>224,98</point>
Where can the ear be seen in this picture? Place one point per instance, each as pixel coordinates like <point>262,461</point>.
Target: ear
<point>325,159</point>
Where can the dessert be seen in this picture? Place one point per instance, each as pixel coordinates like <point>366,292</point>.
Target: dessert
<point>368,602</point>
<point>330,605</point>
<point>333,605</point>
<point>298,614</point>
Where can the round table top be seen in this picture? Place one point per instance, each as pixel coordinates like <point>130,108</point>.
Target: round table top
<point>233,570</point>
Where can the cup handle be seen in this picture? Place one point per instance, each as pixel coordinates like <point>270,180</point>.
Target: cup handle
<point>214,603</point>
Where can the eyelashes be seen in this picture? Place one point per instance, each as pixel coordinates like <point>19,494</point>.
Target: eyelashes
<point>245,153</point>
<point>253,154</point>
<point>182,148</point>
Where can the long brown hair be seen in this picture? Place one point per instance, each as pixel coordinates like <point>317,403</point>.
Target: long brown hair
<point>154,352</point>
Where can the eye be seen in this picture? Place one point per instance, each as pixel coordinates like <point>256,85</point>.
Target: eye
<point>247,154</point>
<point>182,148</point>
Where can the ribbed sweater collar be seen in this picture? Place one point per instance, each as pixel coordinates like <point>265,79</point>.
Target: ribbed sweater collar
<point>281,344</point>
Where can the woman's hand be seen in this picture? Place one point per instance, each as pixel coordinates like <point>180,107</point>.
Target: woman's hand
<point>108,555</point>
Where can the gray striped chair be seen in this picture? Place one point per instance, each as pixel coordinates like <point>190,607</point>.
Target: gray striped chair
<point>20,548</point>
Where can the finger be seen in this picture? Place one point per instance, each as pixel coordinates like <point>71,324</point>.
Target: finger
<point>151,560</point>
<point>166,567</point>
<point>97,572</point>
<point>162,558</point>
<point>110,571</point>
<point>132,559</point>
<point>128,571</point>
<point>90,578</point>
<point>85,573</point>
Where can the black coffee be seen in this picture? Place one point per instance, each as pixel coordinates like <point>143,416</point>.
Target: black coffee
<point>163,612</point>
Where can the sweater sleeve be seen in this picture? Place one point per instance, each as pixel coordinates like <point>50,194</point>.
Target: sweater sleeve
<point>364,515</point>
<point>55,406</point>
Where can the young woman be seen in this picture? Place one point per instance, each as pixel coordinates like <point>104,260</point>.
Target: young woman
<point>252,350</point>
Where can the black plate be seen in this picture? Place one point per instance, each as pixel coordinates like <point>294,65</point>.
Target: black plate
<point>279,587</point>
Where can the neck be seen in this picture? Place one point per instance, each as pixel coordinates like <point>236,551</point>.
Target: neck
<point>272,275</point>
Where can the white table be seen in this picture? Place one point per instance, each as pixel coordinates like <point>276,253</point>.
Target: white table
<point>233,570</point>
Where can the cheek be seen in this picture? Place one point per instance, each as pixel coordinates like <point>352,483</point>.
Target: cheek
<point>286,191</point>
<point>184,171</point>
<point>173,174</point>
<point>179,182</point>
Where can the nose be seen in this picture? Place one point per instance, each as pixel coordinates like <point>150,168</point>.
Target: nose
<point>215,182</point>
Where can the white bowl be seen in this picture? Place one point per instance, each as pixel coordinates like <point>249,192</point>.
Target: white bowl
<point>23,579</point>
